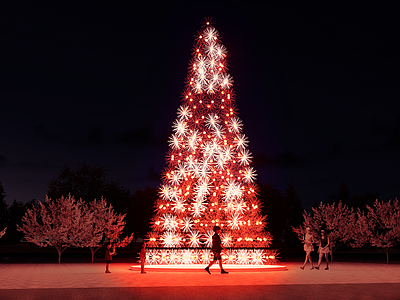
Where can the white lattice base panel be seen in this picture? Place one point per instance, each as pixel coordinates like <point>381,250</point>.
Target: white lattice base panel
<point>245,257</point>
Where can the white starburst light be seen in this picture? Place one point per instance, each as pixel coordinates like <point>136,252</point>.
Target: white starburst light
<point>235,124</point>
<point>230,205</point>
<point>235,221</point>
<point>202,63</point>
<point>226,81</point>
<point>212,121</point>
<point>216,147</point>
<point>165,192</point>
<point>212,49</point>
<point>187,256</point>
<point>201,78</point>
<point>242,257</point>
<point>208,238</point>
<point>232,191</point>
<point>249,175</point>
<point>175,142</point>
<point>187,224</point>
<point>212,64</point>
<point>215,78</point>
<point>210,34</point>
<point>226,153</point>
<point>193,141</point>
<point>195,170</point>
<point>257,257</point>
<point>151,256</point>
<point>180,127</point>
<point>181,170</point>
<point>218,131</point>
<point>173,193</point>
<point>226,239</point>
<point>190,164</point>
<point>184,112</point>
<point>202,70</point>
<point>164,256</point>
<point>204,172</point>
<point>244,157</point>
<point>239,206</point>
<point>208,151</point>
<point>220,162</point>
<point>175,257</point>
<point>178,205</point>
<point>194,239</point>
<point>211,87</point>
<point>198,87</point>
<point>175,178</point>
<point>231,257</point>
<point>220,51</point>
<point>169,222</point>
<point>241,141</point>
<point>171,239</point>
<point>198,207</point>
<point>202,189</point>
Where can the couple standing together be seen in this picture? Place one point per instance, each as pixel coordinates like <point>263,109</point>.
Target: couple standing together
<point>323,248</point>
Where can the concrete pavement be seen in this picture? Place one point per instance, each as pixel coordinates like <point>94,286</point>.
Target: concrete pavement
<point>88,281</point>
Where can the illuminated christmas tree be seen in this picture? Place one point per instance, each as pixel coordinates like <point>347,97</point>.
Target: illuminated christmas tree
<point>208,180</point>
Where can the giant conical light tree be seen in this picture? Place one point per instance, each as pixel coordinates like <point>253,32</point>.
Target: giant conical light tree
<point>209,179</point>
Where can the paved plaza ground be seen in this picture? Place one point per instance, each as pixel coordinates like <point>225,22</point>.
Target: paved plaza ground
<point>344,280</point>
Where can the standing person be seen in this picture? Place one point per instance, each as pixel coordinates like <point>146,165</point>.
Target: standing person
<point>308,241</point>
<point>216,249</point>
<point>110,252</point>
<point>143,257</point>
<point>323,249</point>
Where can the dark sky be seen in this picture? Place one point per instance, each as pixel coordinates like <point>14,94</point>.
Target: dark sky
<point>316,84</point>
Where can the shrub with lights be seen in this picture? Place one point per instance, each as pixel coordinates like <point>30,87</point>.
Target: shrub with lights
<point>208,180</point>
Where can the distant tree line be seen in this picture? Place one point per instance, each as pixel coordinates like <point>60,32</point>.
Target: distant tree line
<point>355,201</point>
<point>283,209</point>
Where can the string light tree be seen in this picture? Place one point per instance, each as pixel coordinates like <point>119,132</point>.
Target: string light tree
<point>208,180</point>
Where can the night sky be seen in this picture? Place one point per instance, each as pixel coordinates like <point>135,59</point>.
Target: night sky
<point>316,85</point>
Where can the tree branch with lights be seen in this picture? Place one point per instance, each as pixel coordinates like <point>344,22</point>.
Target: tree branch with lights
<point>3,232</point>
<point>380,226</point>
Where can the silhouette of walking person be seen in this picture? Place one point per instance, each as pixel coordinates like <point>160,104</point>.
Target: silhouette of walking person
<point>216,249</point>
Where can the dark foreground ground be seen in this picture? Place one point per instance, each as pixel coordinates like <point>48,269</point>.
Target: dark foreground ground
<point>317,291</point>
<point>344,280</point>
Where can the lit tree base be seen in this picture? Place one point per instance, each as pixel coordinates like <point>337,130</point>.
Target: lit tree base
<point>214,268</point>
<point>237,256</point>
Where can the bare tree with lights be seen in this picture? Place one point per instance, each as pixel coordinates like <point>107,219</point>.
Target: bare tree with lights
<point>209,180</point>
<point>380,226</point>
<point>60,223</point>
<point>106,226</point>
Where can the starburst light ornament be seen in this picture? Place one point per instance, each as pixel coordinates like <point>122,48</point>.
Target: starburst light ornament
<point>208,180</point>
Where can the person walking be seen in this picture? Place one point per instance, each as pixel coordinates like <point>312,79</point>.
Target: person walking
<point>216,249</point>
<point>323,249</point>
<point>110,252</point>
<point>143,257</point>
<point>308,241</point>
